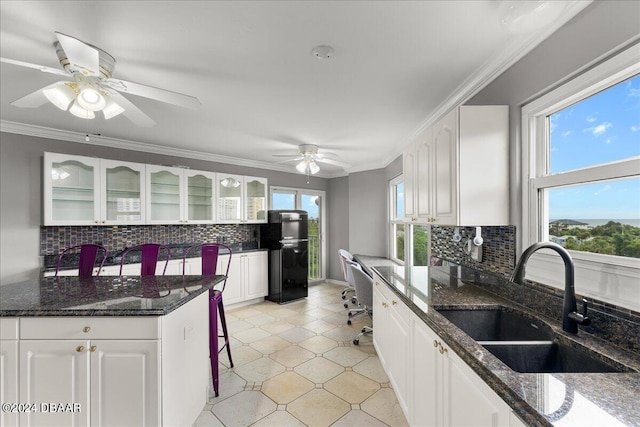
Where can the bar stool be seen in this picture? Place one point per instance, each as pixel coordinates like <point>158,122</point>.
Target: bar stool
<point>149,253</point>
<point>209,253</point>
<point>87,260</point>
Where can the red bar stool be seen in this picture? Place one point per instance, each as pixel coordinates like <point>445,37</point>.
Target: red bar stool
<point>87,260</point>
<point>210,252</point>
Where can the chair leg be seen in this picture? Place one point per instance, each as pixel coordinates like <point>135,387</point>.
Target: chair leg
<point>213,342</point>
<point>225,334</point>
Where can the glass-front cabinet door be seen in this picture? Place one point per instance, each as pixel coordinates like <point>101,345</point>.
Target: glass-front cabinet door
<point>71,189</point>
<point>123,192</point>
<point>200,197</point>
<point>255,200</point>
<point>230,198</point>
<point>165,200</point>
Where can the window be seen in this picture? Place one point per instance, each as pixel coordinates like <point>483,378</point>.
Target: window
<point>581,175</point>
<point>397,231</point>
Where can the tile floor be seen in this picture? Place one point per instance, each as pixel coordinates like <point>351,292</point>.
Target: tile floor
<point>296,365</point>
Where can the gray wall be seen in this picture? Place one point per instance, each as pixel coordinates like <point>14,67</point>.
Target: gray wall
<point>338,229</point>
<point>367,212</point>
<point>21,192</point>
<point>593,35</point>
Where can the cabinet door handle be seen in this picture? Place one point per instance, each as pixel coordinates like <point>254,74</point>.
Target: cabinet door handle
<point>442,350</point>
<point>80,348</point>
<point>385,305</point>
<point>93,348</point>
<point>435,343</point>
<point>86,329</point>
<point>394,302</point>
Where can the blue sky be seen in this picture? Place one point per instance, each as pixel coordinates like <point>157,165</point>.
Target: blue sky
<point>600,129</point>
<point>287,201</point>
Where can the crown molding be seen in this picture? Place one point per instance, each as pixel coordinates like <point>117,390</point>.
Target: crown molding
<point>64,135</point>
<point>489,71</point>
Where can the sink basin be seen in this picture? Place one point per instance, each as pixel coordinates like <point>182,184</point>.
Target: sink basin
<point>546,357</point>
<point>498,324</point>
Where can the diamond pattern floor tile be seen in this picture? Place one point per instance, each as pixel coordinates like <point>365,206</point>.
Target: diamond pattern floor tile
<point>296,365</point>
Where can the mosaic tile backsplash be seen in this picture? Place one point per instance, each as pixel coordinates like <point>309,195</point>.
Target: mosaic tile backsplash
<point>54,239</point>
<point>498,249</point>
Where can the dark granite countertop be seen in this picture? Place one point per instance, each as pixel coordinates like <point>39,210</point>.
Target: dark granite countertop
<point>539,399</point>
<point>102,296</point>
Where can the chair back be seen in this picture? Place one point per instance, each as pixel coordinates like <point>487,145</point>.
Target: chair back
<point>363,284</point>
<point>344,257</point>
<point>88,258</point>
<point>149,253</point>
<point>209,253</point>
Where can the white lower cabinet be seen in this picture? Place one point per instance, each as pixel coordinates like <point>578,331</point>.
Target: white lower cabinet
<point>9,369</point>
<point>446,392</point>
<point>247,278</point>
<point>391,339</point>
<point>117,371</point>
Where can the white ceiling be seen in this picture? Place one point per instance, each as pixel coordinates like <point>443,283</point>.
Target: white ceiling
<point>397,66</point>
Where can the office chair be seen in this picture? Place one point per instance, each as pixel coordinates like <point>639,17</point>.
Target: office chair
<point>364,291</point>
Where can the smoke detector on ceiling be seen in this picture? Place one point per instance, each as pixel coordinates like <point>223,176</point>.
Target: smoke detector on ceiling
<point>322,52</point>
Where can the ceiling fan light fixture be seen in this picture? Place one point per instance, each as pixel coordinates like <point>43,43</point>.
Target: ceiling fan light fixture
<point>80,112</point>
<point>60,95</point>
<point>308,166</point>
<point>230,183</point>
<point>111,109</point>
<point>91,99</point>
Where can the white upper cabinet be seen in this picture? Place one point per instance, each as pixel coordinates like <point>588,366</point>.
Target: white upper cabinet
<point>458,169</point>
<point>165,195</point>
<point>241,199</point>
<point>255,199</point>
<point>200,197</point>
<point>122,192</point>
<point>180,196</point>
<point>71,190</point>
<point>88,191</point>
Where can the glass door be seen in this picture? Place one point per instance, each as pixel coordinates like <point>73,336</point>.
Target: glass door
<point>123,192</point>
<point>230,190</point>
<point>255,195</point>
<point>71,188</point>
<point>312,202</point>
<point>200,197</point>
<point>164,195</point>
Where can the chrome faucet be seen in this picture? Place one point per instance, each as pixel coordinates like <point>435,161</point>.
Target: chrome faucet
<point>570,316</point>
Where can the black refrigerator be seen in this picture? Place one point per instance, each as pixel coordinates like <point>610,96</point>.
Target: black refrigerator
<point>286,235</point>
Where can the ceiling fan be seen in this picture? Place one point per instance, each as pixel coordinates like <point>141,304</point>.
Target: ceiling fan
<point>91,87</point>
<point>308,158</point>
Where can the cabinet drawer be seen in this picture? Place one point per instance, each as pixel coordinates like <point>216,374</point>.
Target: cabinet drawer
<point>9,328</point>
<point>402,311</point>
<point>62,328</point>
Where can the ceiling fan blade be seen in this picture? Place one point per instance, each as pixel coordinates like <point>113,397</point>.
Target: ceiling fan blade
<point>154,93</point>
<point>333,162</point>
<point>35,66</point>
<point>297,156</point>
<point>133,113</point>
<point>295,159</point>
<point>326,154</point>
<point>80,54</point>
<point>34,99</point>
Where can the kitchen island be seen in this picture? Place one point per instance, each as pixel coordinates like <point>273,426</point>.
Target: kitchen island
<point>125,350</point>
<point>449,377</point>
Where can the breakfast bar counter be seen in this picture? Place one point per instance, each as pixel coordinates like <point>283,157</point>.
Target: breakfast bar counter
<point>119,350</point>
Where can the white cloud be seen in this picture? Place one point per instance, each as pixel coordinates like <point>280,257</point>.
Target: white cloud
<point>591,119</point>
<point>608,140</point>
<point>566,133</point>
<point>634,91</point>
<point>635,128</point>
<point>600,129</point>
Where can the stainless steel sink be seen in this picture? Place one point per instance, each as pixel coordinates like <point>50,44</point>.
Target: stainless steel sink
<point>525,343</point>
<point>547,357</point>
<point>498,324</point>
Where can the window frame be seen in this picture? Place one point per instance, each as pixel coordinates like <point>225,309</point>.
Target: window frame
<point>594,270</point>
<point>394,221</point>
